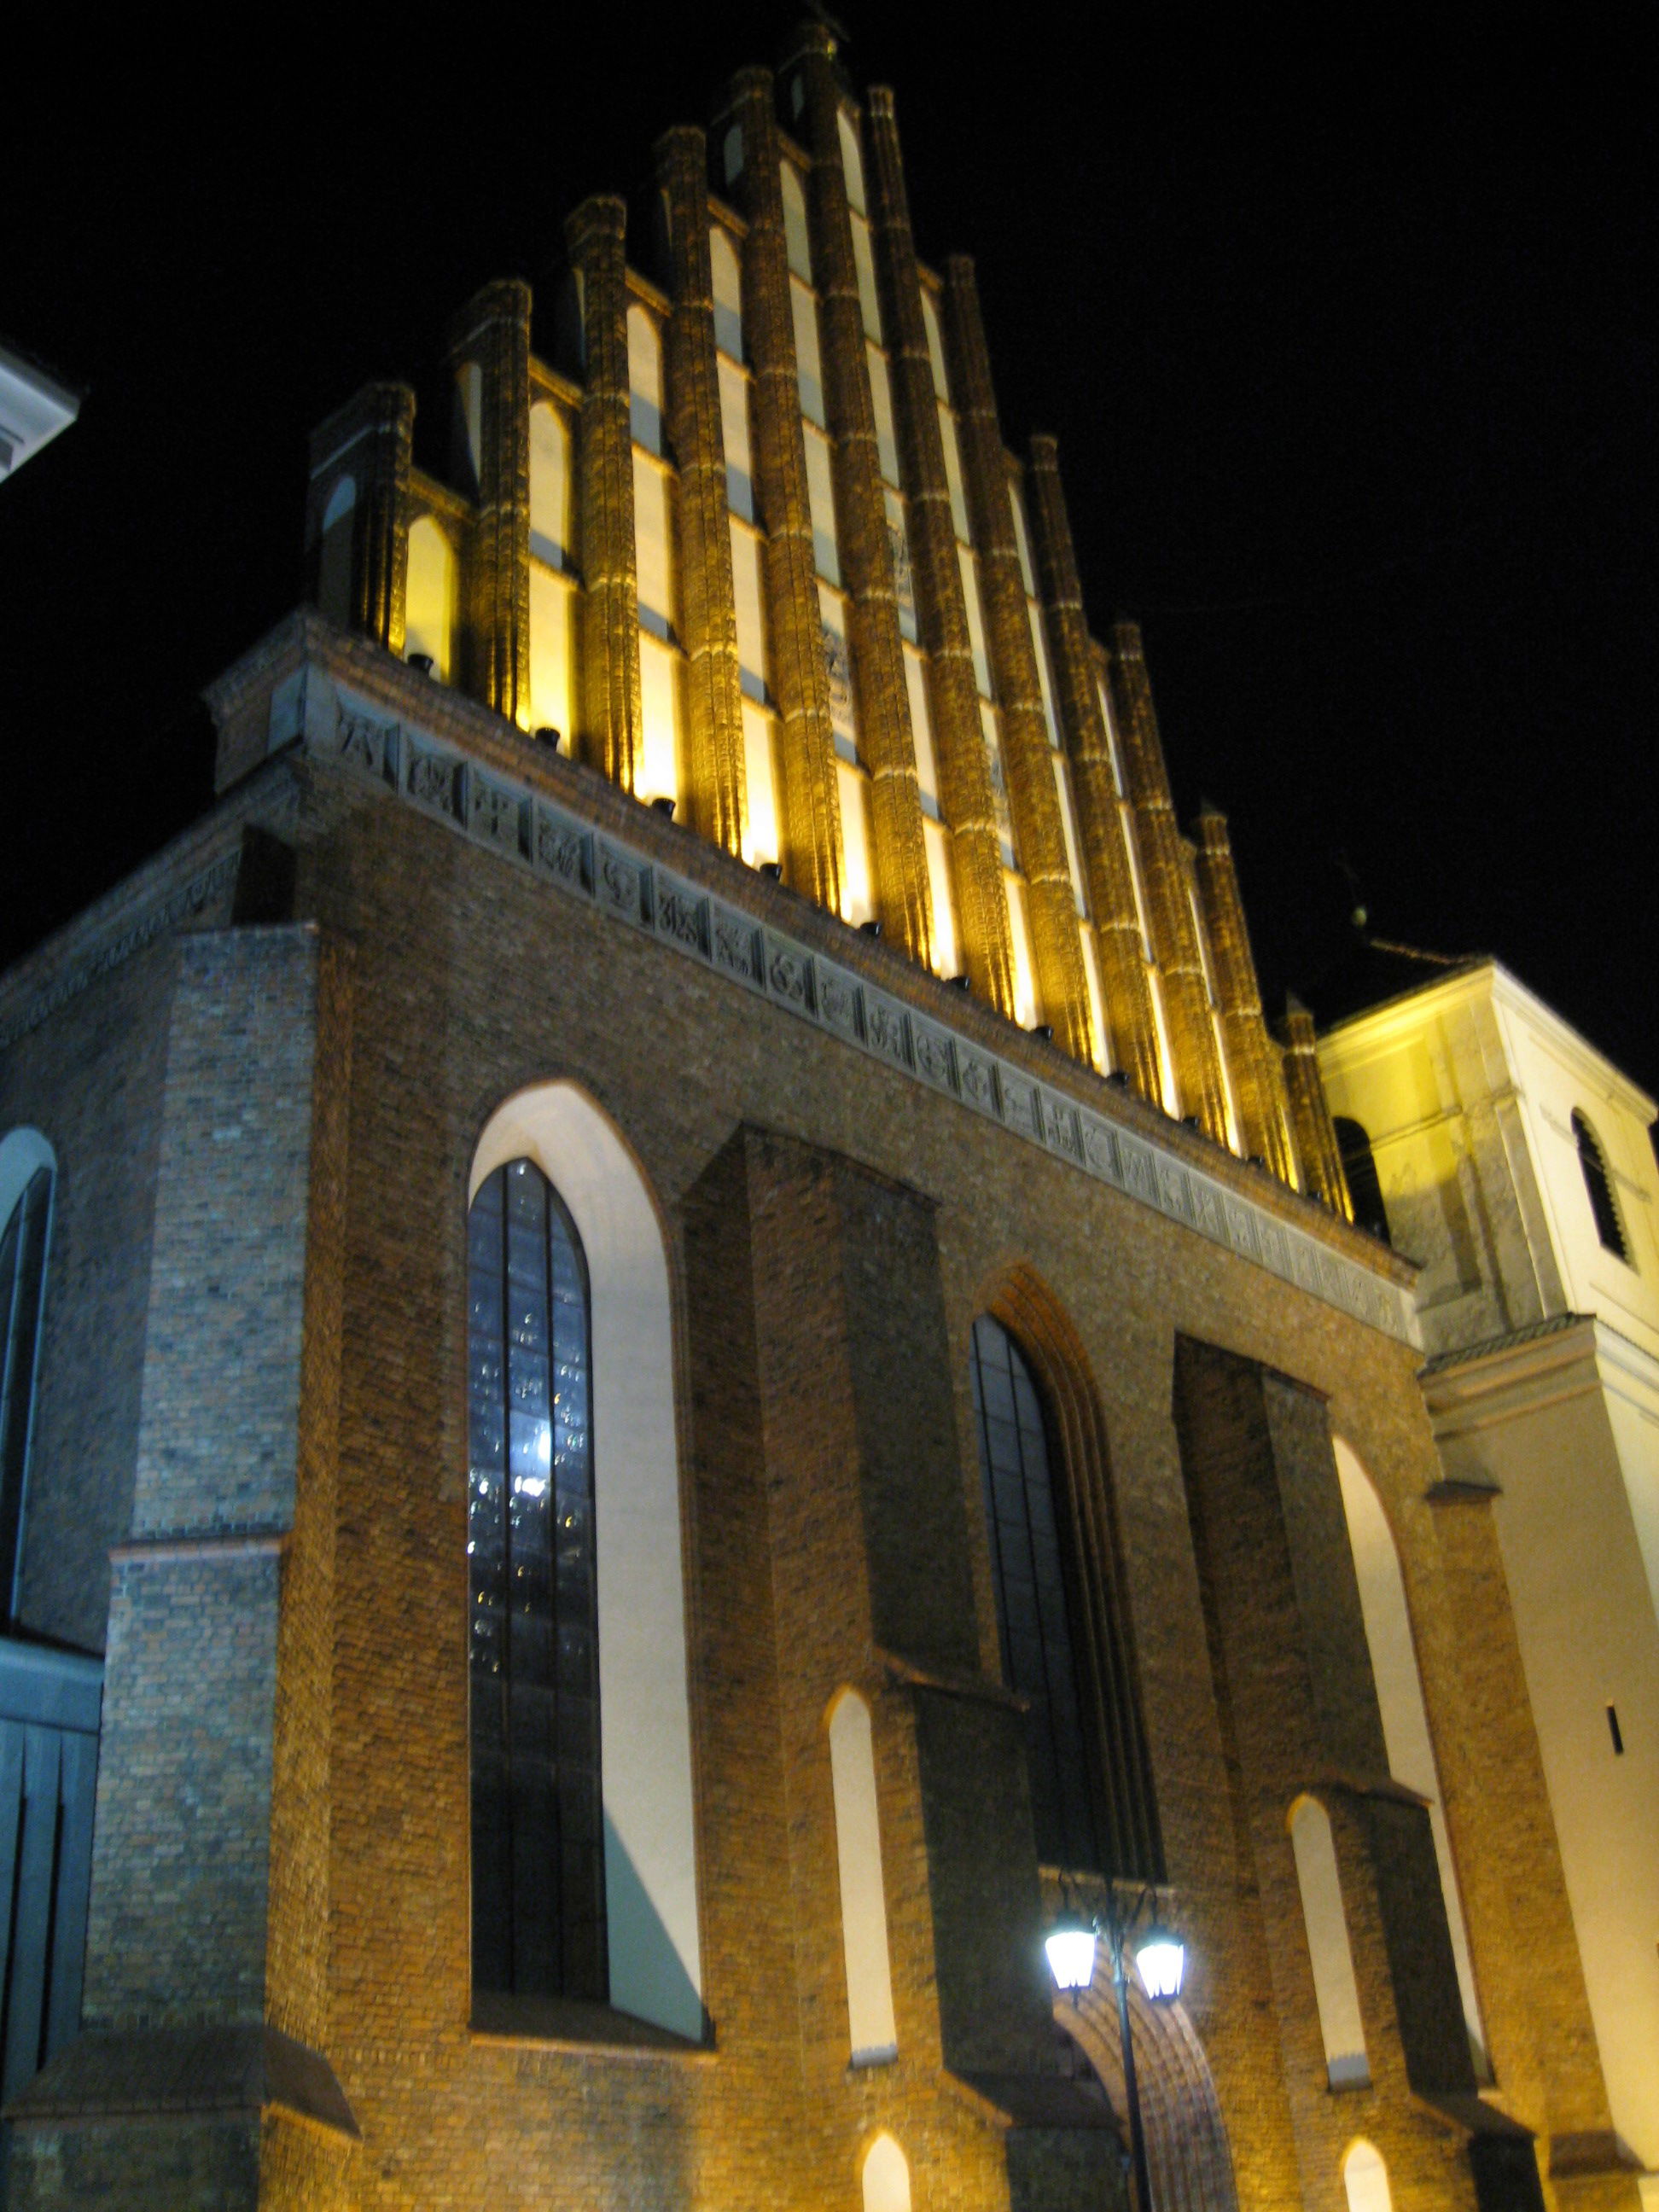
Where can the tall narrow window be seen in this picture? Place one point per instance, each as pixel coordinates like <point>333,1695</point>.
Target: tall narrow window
<point>1593,1168</point>
<point>1033,1612</point>
<point>538,1899</point>
<point>23,1289</point>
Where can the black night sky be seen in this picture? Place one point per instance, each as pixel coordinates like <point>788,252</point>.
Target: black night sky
<point>1346,338</point>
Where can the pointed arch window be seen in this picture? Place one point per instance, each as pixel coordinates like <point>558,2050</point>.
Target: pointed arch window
<point>23,1240</point>
<point>538,1890</point>
<point>1598,1187</point>
<point>1033,1605</point>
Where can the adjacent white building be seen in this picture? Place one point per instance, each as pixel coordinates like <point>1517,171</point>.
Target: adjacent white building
<point>1514,1163</point>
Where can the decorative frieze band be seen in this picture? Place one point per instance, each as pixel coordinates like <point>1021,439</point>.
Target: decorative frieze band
<point>526,828</point>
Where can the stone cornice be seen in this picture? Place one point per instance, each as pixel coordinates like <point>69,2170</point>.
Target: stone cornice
<point>1510,1376</point>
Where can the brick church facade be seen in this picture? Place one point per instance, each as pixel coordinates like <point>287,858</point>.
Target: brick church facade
<point>690,1358</point>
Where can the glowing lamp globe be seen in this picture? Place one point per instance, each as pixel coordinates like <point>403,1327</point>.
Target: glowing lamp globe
<point>1161,1961</point>
<point>1070,1944</point>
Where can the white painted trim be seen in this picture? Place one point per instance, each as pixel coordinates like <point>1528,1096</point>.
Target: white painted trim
<point>645,1718</point>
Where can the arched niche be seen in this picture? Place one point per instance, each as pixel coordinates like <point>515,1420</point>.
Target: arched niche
<point>852,159</point>
<point>552,503</point>
<point>1400,1696</point>
<point>468,438</point>
<point>1365,2177</point>
<point>334,552</point>
<point>871,2031</point>
<point>886,2176</point>
<point>645,397</point>
<point>935,346</point>
<point>727,273</point>
<point>1336,1991</point>
<point>429,597</point>
<point>795,222</point>
<point>645,1726</point>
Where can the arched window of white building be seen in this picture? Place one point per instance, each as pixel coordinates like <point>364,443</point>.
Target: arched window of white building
<point>1327,1924</point>
<point>1365,2177</point>
<point>550,1146</point>
<point>644,402</point>
<point>863,1898</point>
<point>886,2176</point>
<point>27,1173</point>
<point>334,554</point>
<point>429,598</point>
<point>1399,1697</point>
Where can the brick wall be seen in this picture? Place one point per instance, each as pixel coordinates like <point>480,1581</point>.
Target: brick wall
<point>833,1229</point>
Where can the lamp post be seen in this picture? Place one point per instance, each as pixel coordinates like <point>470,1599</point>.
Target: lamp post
<point>1160,1958</point>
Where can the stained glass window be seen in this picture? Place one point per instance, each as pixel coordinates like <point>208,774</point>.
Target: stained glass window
<point>1033,1612</point>
<point>22,1287</point>
<point>538,1924</point>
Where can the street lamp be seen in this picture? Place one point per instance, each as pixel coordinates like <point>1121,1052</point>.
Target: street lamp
<point>1160,1959</point>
